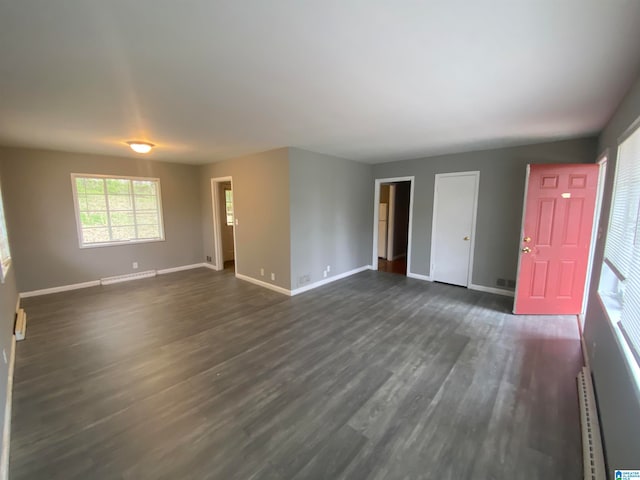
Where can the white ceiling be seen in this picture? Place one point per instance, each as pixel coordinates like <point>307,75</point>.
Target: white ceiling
<point>370,80</point>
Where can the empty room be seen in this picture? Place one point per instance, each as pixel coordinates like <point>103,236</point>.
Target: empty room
<point>320,240</point>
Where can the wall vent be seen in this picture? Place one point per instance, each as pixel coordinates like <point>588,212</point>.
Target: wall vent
<point>128,277</point>
<point>592,454</point>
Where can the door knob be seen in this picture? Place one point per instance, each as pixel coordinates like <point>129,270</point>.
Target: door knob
<point>466,238</point>
<point>526,250</point>
<point>526,239</point>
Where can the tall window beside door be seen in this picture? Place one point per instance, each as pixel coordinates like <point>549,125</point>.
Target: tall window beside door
<point>228,202</point>
<point>620,280</point>
<point>117,210</point>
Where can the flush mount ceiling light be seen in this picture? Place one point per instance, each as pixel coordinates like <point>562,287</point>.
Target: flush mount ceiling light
<point>140,147</point>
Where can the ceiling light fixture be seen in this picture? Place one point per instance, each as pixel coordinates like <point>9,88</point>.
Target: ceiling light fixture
<point>140,147</point>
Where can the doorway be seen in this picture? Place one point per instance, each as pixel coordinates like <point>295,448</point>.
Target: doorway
<point>392,227</point>
<point>223,224</point>
<point>455,204</point>
<point>556,236</point>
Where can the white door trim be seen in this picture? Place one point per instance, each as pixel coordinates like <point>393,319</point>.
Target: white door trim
<point>602,172</point>
<point>521,236</point>
<point>376,200</point>
<point>432,261</point>
<point>217,231</point>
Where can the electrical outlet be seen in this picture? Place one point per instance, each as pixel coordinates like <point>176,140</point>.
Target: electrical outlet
<point>208,258</point>
<point>4,355</point>
<point>324,273</point>
<point>262,272</point>
<point>273,276</point>
<point>237,222</point>
<point>328,268</point>
<point>135,265</point>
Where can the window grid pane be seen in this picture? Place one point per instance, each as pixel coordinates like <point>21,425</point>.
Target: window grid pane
<point>114,210</point>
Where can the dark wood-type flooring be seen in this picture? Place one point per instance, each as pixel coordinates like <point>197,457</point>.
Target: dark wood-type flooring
<point>199,375</point>
<point>393,266</point>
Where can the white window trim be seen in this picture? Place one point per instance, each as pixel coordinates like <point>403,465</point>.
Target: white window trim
<point>612,307</point>
<point>115,244</point>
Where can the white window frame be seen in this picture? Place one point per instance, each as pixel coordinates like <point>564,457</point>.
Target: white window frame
<point>611,281</point>
<point>115,243</point>
<point>5,263</point>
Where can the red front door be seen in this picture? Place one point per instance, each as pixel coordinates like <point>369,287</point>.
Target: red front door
<point>555,238</point>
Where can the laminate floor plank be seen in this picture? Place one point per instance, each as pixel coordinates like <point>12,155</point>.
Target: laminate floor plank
<point>199,375</point>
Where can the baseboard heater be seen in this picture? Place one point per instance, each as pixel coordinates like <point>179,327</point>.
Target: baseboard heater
<point>21,325</point>
<point>592,453</point>
<point>128,277</point>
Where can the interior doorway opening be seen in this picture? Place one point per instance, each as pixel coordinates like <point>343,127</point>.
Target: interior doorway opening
<point>224,237</point>
<point>393,226</point>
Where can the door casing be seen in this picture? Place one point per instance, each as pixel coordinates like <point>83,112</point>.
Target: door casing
<point>216,201</point>
<point>376,202</point>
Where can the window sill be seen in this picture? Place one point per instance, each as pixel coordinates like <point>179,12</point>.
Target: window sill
<point>119,244</point>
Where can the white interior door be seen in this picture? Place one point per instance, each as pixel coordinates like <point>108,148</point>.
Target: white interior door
<point>454,212</point>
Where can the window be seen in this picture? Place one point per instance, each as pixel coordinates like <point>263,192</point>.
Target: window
<point>228,201</point>
<point>620,280</point>
<point>117,210</point>
<point>5,254</point>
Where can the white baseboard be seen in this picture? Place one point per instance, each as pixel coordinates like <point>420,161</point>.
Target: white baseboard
<point>419,276</point>
<point>325,281</point>
<point>95,283</point>
<point>164,271</point>
<point>6,433</point>
<point>255,281</point>
<point>209,265</point>
<point>63,288</point>
<point>497,291</point>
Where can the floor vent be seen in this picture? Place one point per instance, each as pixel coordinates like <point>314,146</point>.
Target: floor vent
<point>21,325</point>
<point>593,458</point>
<point>128,277</point>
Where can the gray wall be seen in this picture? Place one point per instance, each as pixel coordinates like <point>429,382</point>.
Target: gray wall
<point>8,300</point>
<point>502,179</point>
<point>331,215</point>
<point>618,403</point>
<point>261,203</point>
<point>41,219</point>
